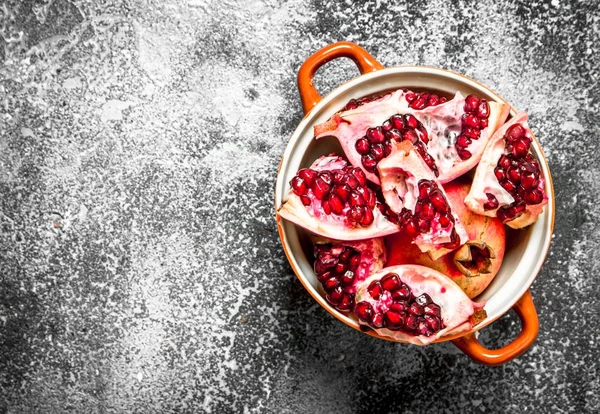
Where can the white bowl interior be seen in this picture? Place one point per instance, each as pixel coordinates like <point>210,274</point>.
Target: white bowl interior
<point>526,248</point>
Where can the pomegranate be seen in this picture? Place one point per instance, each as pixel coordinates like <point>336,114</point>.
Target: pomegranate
<point>414,304</point>
<point>417,202</point>
<point>475,264</point>
<point>508,181</point>
<point>450,135</point>
<point>341,265</point>
<point>332,199</point>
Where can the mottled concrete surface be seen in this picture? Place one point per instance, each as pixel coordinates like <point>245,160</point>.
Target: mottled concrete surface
<point>141,269</point>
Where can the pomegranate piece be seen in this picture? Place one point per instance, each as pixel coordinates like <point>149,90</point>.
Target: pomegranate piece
<point>414,304</point>
<point>508,181</point>
<point>475,264</point>
<point>449,135</point>
<point>417,202</point>
<point>340,266</point>
<point>333,200</point>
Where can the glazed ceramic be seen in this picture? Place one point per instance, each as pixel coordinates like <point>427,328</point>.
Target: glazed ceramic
<point>527,248</point>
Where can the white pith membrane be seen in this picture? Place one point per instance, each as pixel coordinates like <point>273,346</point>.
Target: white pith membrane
<point>456,308</point>
<point>485,180</point>
<point>333,226</point>
<point>442,122</point>
<point>400,175</point>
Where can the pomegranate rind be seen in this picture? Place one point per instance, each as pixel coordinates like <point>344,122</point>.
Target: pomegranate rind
<point>484,180</point>
<point>442,122</point>
<point>457,309</point>
<point>400,174</point>
<point>332,226</point>
<point>485,233</point>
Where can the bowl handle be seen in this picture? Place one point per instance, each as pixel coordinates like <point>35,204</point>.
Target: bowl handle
<point>308,93</point>
<point>529,330</point>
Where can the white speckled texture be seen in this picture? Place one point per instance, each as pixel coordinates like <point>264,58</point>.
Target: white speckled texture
<point>141,269</point>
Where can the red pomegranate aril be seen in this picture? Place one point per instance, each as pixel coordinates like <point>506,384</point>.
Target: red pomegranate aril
<point>438,201</point>
<point>411,122</point>
<point>340,267</point>
<point>504,162</point>
<point>409,135</point>
<point>399,306</point>
<point>415,309</point>
<point>444,221</point>
<point>529,180</point>
<point>354,262</point>
<point>514,133</point>
<point>320,188</point>
<point>342,191</point>
<point>363,146</point>
<point>483,109</point>
<point>393,134</point>
<point>432,309</point>
<point>347,303</point>
<point>364,311</point>
<point>393,320</point>
<point>348,277</point>
<point>360,176</point>
<point>499,173</point>
<point>335,295</point>
<point>390,282</point>
<point>463,141</point>
<point>368,217</point>
<point>513,174</point>
<point>375,135</point>
<point>425,186</point>
<point>305,200</point>
<point>375,290</point>
<point>308,175</point>
<point>411,322</point>
<point>423,328</point>
<point>331,283</point>
<point>369,162</point>
<point>423,299</point>
<point>483,123</point>
<point>454,242</point>
<point>470,120</point>
<point>377,320</point>
<point>473,133</point>
<point>433,322</point>
<point>299,185</point>
<point>410,97</point>
<point>520,149</point>
<point>433,100</point>
<point>533,197</point>
<point>378,151</point>
<point>492,202</point>
<point>397,122</point>
<point>356,213</point>
<point>508,186</point>
<point>464,154</point>
<point>356,199</point>
<point>471,103</point>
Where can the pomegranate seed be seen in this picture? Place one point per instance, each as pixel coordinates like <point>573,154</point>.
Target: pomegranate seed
<point>443,99</point>
<point>492,202</point>
<point>520,149</point>
<point>427,212</point>
<point>326,206</point>
<point>423,328</point>
<point>352,182</point>
<point>369,162</point>
<point>471,103</point>
<point>513,174</point>
<point>423,134</point>
<point>410,96</point>
<point>535,196</point>
<point>348,277</point>
<point>356,214</point>
<point>305,200</point>
<point>352,104</point>
<point>377,151</point>
<point>433,322</point>
<point>354,262</point>
<point>399,306</point>
<point>397,122</point>
<point>444,220</point>
<point>411,229</point>
<point>464,154</point>
<point>471,132</point>
<point>386,125</point>
<point>356,199</point>
<point>433,100</point>
<point>347,302</point>
<point>504,162</point>
<point>326,176</point>
<point>483,109</point>
<point>335,295</point>
<point>402,293</point>
<point>454,242</point>
<point>377,320</point>
<point>331,283</point>
<point>340,267</point>
<point>411,322</point>
<point>308,175</point>
<point>299,185</point>
<point>470,120</point>
<point>425,187</point>
<point>342,191</point>
<point>393,134</point>
<point>364,311</point>
<point>375,135</point>
<point>432,309</point>
<point>483,123</point>
<point>390,282</point>
<point>359,175</point>
<point>418,103</point>
<point>463,141</point>
<point>363,146</point>
<point>409,135</point>
<point>514,133</point>
<point>337,206</point>
<point>368,217</point>
<point>499,173</point>
<point>410,121</point>
<point>529,180</point>
<point>508,186</point>
<point>423,225</point>
<point>423,299</point>
<point>375,290</point>
<point>393,320</point>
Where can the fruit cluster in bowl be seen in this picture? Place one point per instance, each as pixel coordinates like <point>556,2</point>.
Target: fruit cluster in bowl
<point>407,220</point>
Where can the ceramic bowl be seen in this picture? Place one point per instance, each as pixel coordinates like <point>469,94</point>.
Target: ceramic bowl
<point>526,248</point>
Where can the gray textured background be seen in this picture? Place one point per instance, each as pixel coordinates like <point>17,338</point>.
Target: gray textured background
<point>141,269</point>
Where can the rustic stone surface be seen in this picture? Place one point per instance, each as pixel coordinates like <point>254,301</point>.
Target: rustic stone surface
<point>141,269</point>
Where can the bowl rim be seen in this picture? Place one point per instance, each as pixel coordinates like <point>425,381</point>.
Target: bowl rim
<point>372,77</point>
